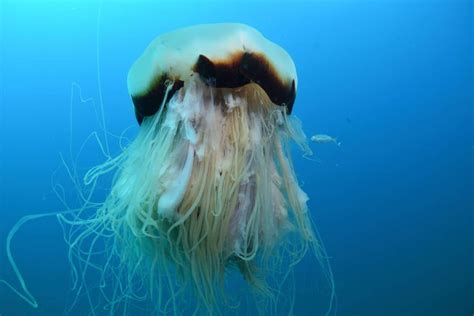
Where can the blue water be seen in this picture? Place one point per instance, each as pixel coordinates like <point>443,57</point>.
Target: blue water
<point>393,80</point>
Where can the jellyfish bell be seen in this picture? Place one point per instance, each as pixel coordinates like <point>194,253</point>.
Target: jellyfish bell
<point>223,55</point>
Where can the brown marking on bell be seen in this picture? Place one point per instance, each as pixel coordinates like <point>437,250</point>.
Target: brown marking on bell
<point>149,103</point>
<point>235,71</point>
<point>242,68</point>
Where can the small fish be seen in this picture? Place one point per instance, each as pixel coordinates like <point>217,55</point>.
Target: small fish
<point>324,139</point>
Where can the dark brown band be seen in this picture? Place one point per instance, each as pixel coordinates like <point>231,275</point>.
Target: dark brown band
<point>235,71</point>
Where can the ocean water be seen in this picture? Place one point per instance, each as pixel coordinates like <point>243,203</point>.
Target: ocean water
<point>392,80</point>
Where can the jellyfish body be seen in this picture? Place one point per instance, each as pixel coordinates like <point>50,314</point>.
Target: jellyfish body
<point>208,183</point>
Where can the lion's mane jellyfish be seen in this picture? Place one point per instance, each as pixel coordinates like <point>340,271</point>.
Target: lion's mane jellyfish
<point>208,185</point>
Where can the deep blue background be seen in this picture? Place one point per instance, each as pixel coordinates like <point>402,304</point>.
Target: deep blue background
<point>393,80</point>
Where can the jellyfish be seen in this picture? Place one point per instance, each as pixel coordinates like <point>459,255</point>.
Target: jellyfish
<point>208,185</point>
